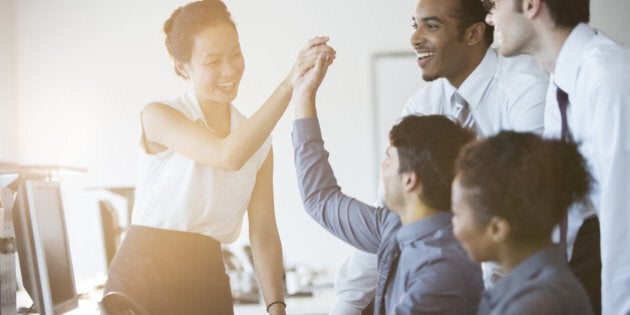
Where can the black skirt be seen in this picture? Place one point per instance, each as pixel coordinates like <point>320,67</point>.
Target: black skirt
<point>171,272</point>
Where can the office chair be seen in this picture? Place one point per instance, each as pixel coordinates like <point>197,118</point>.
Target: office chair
<point>117,303</point>
<point>112,230</point>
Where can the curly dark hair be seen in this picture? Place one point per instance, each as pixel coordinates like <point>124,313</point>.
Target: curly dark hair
<point>524,179</point>
<point>428,146</point>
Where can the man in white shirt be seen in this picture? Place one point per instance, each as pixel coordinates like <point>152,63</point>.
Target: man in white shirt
<point>589,79</point>
<point>452,42</point>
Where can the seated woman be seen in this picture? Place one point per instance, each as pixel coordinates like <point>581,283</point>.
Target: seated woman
<point>509,192</point>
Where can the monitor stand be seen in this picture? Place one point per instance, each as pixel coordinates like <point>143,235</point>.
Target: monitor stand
<point>8,283</point>
<point>11,176</point>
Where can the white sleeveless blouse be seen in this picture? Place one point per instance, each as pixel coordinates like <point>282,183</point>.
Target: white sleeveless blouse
<point>176,193</point>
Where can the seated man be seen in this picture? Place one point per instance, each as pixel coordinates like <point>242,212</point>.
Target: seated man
<point>422,268</point>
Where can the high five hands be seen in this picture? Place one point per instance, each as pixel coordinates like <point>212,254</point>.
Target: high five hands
<point>306,84</point>
<point>309,55</point>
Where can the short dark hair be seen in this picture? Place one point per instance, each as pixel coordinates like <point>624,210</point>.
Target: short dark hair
<point>428,146</point>
<point>565,13</point>
<point>528,181</point>
<point>188,20</point>
<point>469,12</point>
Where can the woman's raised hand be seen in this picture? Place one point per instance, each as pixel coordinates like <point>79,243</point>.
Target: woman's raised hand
<point>306,86</point>
<point>309,82</point>
<point>314,50</point>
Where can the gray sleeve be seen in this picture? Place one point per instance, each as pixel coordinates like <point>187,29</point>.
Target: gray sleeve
<point>354,222</point>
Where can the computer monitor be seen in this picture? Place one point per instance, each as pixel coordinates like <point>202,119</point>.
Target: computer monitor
<point>42,245</point>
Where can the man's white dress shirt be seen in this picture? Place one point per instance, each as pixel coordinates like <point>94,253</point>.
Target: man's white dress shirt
<point>594,71</point>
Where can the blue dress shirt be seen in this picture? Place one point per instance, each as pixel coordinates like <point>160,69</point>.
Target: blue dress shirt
<point>434,274</point>
<point>542,284</point>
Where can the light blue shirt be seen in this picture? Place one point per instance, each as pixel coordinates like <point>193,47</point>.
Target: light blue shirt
<point>543,284</point>
<point>434,274</point>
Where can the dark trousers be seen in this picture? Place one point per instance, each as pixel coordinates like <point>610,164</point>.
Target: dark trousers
<point>586,261</point>
<point>171,272</point>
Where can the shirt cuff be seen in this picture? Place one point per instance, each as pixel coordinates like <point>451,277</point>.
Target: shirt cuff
<point>305,129</point>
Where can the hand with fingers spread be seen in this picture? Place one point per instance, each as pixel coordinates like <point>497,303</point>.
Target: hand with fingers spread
<point>309,55</point>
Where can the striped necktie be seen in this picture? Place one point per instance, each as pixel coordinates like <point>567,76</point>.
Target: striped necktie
<point>386,271</point>
<point>463,115</point>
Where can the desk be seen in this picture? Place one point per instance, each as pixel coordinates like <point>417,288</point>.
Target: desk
<point>89,292</point>
<point>87,302</point>
<point>318,304</point>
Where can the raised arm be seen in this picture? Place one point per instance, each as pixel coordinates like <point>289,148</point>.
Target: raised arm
<point>352,221</point>
<point>165,127</point>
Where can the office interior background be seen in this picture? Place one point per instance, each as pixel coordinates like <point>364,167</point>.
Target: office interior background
<point>75,74</point>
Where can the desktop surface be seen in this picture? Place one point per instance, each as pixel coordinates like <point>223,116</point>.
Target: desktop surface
<point>318,304</point>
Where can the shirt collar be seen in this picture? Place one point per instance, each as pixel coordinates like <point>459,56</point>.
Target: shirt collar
<point>569,58</point>
<point>192,103</point>
<point>413,231</point>
<point>527,269</point>
<point>449,90</point>
<point>474,86</point>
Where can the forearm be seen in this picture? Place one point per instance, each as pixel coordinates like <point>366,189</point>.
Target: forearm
<point>263,121</point>
<point>243,142</point>
<point>267,252</point>
<point>305,105</point>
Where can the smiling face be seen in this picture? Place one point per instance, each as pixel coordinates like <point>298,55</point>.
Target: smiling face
<point>440,49</point>
<point>216,64</point>
<point>473,234</point>
<point>513,34</point>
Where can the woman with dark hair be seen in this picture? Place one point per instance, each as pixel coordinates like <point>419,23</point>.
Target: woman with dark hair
<point>203,166</point>
<point>509,192</point>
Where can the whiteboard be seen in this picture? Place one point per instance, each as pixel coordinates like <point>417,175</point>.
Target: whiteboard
<point>395,78</point>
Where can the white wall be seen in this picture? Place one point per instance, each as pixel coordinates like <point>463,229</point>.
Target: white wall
<point>272,32</point>
<point>83,69</point>
<point>611,17</point>
<point>7,81</point>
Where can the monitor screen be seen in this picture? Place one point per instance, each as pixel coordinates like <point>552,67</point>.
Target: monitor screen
<point>43,248</point>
